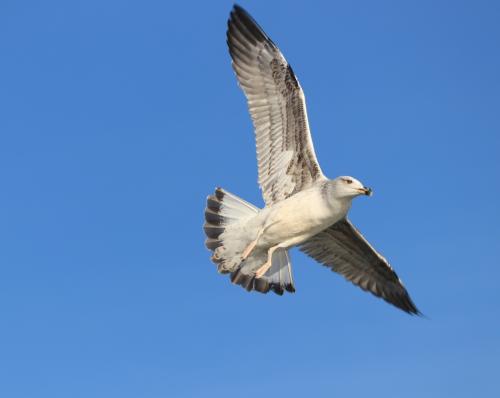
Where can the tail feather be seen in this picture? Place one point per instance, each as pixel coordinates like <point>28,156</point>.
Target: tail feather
<point>280,272</point>
<point>278,278</point>
<point>225,218</point>
<point>223,209</point>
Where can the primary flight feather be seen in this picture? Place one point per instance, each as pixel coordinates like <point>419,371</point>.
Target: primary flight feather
<point>303,207</point>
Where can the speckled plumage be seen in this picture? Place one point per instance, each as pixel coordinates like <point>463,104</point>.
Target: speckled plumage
<point>303,207</point>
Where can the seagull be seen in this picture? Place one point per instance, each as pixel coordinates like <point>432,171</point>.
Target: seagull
<point>303,208</point>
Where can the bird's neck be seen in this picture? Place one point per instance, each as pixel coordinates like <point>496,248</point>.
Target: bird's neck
<point>338,205</point>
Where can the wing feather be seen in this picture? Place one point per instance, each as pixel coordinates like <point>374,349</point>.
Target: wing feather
<point>343,249</point>
<point>285,154</point>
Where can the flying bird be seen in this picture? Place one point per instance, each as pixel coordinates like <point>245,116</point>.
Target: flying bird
<point>303,208</point>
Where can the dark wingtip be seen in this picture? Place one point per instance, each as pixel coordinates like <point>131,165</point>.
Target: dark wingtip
<point>240,11</point>
<point>240,15</point>
<point>406,304</point>
<point>239,8</point>
<point>409,305</point>
<point>415,311</point>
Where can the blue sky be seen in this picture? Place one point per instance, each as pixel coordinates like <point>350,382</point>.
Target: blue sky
<point>119,117</point>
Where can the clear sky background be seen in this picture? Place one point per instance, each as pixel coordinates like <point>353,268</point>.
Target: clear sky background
<point>118,118</point>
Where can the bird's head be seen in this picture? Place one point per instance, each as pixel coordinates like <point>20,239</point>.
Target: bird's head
<point>349,187</point>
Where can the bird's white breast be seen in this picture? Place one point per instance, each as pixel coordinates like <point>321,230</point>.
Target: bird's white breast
<point>303,215</point>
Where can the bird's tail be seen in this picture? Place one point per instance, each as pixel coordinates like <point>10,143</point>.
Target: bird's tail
<point>226,219</point>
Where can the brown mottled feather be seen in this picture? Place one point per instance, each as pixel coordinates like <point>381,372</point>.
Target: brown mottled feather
<point>286,159</point>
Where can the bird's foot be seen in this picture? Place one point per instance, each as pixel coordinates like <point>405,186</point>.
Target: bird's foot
<point>250,247</point>
<point>263,269</point>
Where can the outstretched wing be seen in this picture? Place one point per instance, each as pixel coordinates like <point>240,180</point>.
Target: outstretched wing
<point>285,153</point>
<point>342,248</point>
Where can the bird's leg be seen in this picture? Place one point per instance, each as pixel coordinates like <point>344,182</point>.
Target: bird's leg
<point>251,246</point>
<point>265,267</point>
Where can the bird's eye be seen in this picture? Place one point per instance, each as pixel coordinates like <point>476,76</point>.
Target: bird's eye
<point>348,180</point>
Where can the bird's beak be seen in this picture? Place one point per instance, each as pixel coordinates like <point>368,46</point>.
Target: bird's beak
<point>366,191</point>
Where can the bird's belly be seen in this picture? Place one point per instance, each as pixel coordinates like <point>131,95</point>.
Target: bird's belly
<point>290,233</point>
<point>293,223</point>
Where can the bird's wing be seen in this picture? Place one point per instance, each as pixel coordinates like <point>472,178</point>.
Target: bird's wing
<point>285,153</point>
<point>342,248</point>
